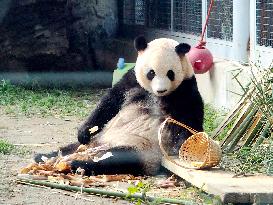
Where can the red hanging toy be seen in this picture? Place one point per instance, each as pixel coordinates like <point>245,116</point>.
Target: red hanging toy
<point>199,56</point>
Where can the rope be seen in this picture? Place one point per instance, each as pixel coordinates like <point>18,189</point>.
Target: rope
<point>193,131</point>
<point>202,42</point>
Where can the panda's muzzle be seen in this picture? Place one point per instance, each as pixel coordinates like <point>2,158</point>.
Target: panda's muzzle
<point>161,91</point>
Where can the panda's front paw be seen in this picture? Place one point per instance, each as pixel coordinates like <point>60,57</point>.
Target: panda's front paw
<point>84,136</point>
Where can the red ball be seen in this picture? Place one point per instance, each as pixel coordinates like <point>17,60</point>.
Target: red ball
<point>200,58</point>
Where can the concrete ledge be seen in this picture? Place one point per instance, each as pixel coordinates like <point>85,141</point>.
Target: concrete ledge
<point>242,190</point>
<point>59,79</point>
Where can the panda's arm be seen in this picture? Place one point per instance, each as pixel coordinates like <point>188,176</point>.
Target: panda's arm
<point>107,108</point>
<point>191,106</point>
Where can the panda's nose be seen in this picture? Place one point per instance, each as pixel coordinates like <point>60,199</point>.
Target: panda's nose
<point>161,91</point>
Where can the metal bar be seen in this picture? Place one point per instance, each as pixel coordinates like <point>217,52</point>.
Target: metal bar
<point>204,15</point>
<point>172,2</point>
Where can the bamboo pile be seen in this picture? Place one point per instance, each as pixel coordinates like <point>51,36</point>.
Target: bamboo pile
<point>251,121</point>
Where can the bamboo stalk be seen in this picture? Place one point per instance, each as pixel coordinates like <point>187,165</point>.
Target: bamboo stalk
<point>257,118</point>
<point>239,132</point>
<point>228,118</point>
<point>262,137</point>
<point>244,100</point>
<point>253,135</point>
<point>23,180</point>
<point>245,111</point>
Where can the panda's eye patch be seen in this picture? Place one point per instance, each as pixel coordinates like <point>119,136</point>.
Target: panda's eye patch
<point>170,75</point>
<point>151,75</point>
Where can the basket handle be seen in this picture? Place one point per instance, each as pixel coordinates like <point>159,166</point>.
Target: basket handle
<point>160,130</point>
<point>191,130</point>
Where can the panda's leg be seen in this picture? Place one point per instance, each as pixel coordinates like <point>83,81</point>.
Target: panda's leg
<point>66,150</point>
<point>124,161</point>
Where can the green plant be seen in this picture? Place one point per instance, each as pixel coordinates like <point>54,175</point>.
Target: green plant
<point>199,196</point>
<point>212,118</point>
<point>259,90</point>
<point>143,188</point>
<point>249,160</point>
<point>5,147</point>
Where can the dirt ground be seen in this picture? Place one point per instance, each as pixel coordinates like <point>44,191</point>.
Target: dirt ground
<point>37,135</point>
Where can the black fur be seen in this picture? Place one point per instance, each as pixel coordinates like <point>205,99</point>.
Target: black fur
<point>124,160</point>
<point>140,43</point>
<point>66,150</point>
<point>150,75</point>
<point>107,108</point>
<point>182,49</point>
<point>38,157</point>
<point>184,104</point>
<point>171,75</point>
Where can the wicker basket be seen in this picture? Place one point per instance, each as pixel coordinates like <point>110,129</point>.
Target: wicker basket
<point>199,151</point>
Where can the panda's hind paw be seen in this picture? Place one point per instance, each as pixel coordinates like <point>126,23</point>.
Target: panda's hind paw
<point>87,166</point>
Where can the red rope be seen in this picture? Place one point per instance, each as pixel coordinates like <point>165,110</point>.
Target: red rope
<point>202,42</point>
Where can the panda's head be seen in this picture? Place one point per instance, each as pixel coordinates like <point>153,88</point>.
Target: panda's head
<point>161,65</point>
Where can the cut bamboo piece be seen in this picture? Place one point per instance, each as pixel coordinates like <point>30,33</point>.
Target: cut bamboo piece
<point>102,192</point>
<point>228,118</point>
<point>263,135</point>
<point>245,110</point>
<point>247,137</point>
<point>254,134</point>
<point>238,128</point>
<point>240,131</point>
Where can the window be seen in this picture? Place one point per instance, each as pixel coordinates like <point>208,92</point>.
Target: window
<point>188,16</point>
<point>264,23</point>
<point>183,16</point>
<point>220,24</point>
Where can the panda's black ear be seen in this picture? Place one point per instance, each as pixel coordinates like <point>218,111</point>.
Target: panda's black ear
<point>140,43</point>
<point>182,48</point>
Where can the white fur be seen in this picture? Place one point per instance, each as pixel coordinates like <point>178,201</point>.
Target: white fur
<point>133,128</point>
<point>160,56</point>
<point>160,84</point>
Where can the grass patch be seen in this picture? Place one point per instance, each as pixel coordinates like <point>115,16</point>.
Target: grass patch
<point>199,196</point>
<point>212,118</point>
<point>5,147</point>
<point>18,100</point>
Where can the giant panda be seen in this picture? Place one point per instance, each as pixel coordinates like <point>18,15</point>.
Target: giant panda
<point>128,117</point>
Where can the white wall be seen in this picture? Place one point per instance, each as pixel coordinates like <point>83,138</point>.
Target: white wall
<point>217,85</point>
